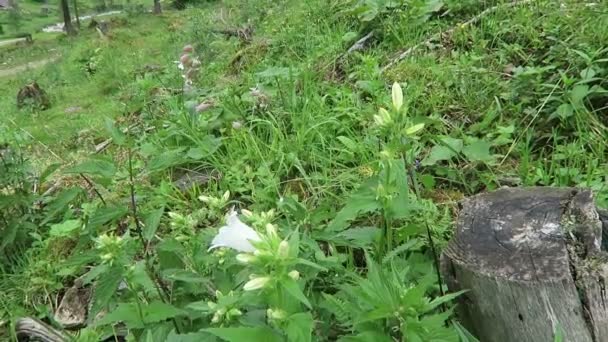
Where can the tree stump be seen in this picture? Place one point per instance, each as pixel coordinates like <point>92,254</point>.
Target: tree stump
<point>32,95</point>
<point>533,264</point>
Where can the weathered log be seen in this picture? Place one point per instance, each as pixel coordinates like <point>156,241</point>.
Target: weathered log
<point>532,262</point>
<point>28,328</point>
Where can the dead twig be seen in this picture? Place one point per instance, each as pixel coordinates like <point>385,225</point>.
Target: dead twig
<point>403,55</point>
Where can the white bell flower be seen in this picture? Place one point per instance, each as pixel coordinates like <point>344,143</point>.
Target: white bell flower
<point>236,235</point>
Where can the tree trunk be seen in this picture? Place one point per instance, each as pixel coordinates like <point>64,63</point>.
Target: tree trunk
<point>67,21</point>
<point>533,262</point>
<point>157,9</point>
<point>75,4</point>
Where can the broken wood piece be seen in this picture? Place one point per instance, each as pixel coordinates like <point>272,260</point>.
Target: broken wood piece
<point>532,262</point>
<point>361,43</point>
<point>34,329</point>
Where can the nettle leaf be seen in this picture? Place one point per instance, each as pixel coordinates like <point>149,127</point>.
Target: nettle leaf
<point>65,228</point>
<point>107,284</point>
<point>361,202</point>
<point>167,159</point>
<point>48,171</point>
<point>60,203</point>
<point>299,328</point>
<point>151,223</point>
<point>117,136</point>
<point>437,154</point>
<point>478,151</point>
<point>246,334</point>
<point>126,313</point>
<point>190,337</point>
<point>97,167</point>
<point>293,288</point>
<point>366,337</point>
<point>132,317</point>
<point>158,311</point>
<point>105,215</point>
<point>578,93</point>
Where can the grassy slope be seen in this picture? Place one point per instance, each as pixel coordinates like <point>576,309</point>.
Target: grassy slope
<point>464,90</point>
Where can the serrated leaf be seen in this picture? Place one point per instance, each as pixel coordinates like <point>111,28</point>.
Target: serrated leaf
<point>126,313</point>
<point>311,264</point>
<point>65,228</point>
<point>578,93</point>
<point>299,327</point>
<point>185,276</point>
<point>293,288</point>
<point>158,311</point>
<point>96,167</point>
<point>190,337</point>
<point>105,215</point>
<point>117,136</point>
<point>367,336</point>
<point>167,159</point>
<point>360,202</point>
<point>48,171</point>
<point>151,223</point>
<point>107,284</point>
<point>437,154</point>
<point>246,334</point>
<point>60,203</point>
<point>478,151</point>
<point>446,298</point>
<point>350,144</point>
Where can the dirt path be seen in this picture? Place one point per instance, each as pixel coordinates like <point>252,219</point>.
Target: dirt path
<point>12,41</point>
<point>24,67</point>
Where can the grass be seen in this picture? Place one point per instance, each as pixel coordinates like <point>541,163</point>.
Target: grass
<point>516,99</point>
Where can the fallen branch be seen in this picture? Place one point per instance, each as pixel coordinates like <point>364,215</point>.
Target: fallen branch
<point>359,44</point>
<point>34,329</point>
<point>403,55</point>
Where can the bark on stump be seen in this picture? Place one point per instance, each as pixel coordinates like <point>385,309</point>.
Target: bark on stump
<point>533,262</point>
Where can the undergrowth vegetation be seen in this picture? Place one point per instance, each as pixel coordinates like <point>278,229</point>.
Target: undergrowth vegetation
<point>231,172</point>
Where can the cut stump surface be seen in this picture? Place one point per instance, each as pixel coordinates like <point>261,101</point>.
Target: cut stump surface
<point>532,263</point>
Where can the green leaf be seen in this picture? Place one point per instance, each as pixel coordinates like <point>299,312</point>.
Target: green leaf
<point>117,136</point>
<point>190,337</point>
<point>478,151</point>
<point>437,154</point>
<point>97,167</point>
<point>167,159</point>
<point>107,284</point>
<point>274,72</point>
<point>47,172</point>
<point>311,264</point>
<point>464,334</point>
<point>359,237</point>
<point>446,298</point>
<point>299,328</point>
<point>246,334</point>
<point>151,223</point>
<point>158,311</point>
<point>578,93</point>
<point>400,249</point>
<point>60,203</point>
<point>105,215</point>
<point>362,201</point>
<point>124,312</point>
<point>367,336</point>
<point>293,288</point>
<point>65,228</point>
<point>565,110</point>
<point>185,276</point>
